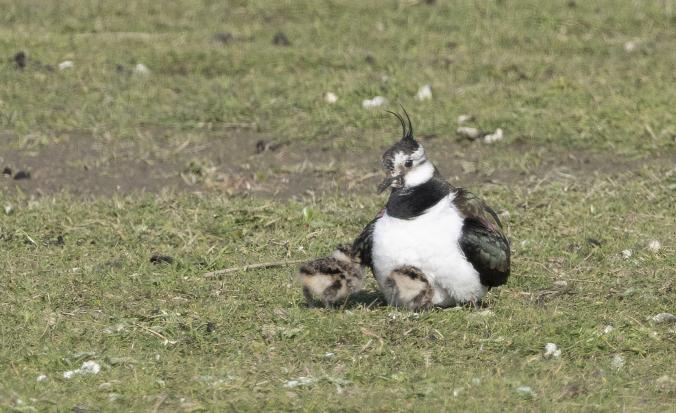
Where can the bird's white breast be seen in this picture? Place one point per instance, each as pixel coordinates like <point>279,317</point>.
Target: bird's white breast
<point>430,243</point>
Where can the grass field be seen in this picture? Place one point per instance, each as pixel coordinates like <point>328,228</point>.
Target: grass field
<point>126,165</point>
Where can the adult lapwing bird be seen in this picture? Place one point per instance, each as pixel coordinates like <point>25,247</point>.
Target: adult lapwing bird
<point>433,243</point>
<point>331,279</point>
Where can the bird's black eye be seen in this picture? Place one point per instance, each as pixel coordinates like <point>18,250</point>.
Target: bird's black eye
<point>408,163</point>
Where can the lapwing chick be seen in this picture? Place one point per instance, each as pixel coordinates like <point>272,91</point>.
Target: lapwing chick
<point>331,279</point>
<point>431,235</point>
<point>408,287</point>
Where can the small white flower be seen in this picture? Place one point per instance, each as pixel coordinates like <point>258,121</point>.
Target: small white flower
<point>373,103</point>
<point>330,97</point>
<point>66,64</point>
<point>424,93</point>
<point>552,351</point>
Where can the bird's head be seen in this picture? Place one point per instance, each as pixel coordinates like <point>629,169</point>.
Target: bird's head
<point>405,163</point>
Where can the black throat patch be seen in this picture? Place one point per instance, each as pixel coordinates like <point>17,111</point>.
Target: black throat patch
<point>408,203</point>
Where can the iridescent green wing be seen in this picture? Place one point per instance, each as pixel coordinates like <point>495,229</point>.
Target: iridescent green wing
<point>482,241</point>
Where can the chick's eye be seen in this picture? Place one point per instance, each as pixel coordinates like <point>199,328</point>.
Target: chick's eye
<point>408,163</point>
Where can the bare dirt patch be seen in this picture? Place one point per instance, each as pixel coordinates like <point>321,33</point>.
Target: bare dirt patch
<point>241,162</point>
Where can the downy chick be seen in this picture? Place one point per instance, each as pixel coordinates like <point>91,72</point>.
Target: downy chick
<point>331,279</point>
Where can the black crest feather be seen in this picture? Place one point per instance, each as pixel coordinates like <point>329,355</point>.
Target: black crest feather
<point>409,134</point>
<point>407,130</point>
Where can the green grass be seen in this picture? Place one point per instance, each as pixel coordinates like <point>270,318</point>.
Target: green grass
<point>64,304</point>
<point>556,78</point>
<point>544,72</point>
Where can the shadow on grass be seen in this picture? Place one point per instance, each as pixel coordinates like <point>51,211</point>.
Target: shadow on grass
<point>362,299</point>
<point>366,299</point>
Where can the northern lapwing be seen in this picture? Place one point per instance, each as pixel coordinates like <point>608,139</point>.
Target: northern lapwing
<point>433,243</point>
<point>331,279</point>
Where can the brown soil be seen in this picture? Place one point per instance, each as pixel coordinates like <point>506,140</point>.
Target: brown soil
<point>228,162</point>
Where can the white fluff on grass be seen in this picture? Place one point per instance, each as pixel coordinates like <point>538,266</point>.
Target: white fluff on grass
<point>630,46</point>
<point>373,103</point>
<point>424,93</point>
<point>330,97</point>
<point>468,132</point>
<point>626,254</point>
<point>117,328</point>
<point>663,318</point>
<point>617,362</point>
<point>481,314</point>
<point>300,381</point>
<point>66,64</point>
<point>494,137</point>
<point>88,367</point>
<point>525,391</point>
<point>464,119</point>
<point>42,377</point>
<point>654,245</point>
<point>552,351</point>
<point>141,69</point>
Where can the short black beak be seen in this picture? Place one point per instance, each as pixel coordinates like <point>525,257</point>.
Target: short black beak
<point>387,182</point>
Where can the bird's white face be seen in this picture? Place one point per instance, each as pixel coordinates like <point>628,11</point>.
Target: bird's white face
<point>405,168</point>
<point>420,169</point>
